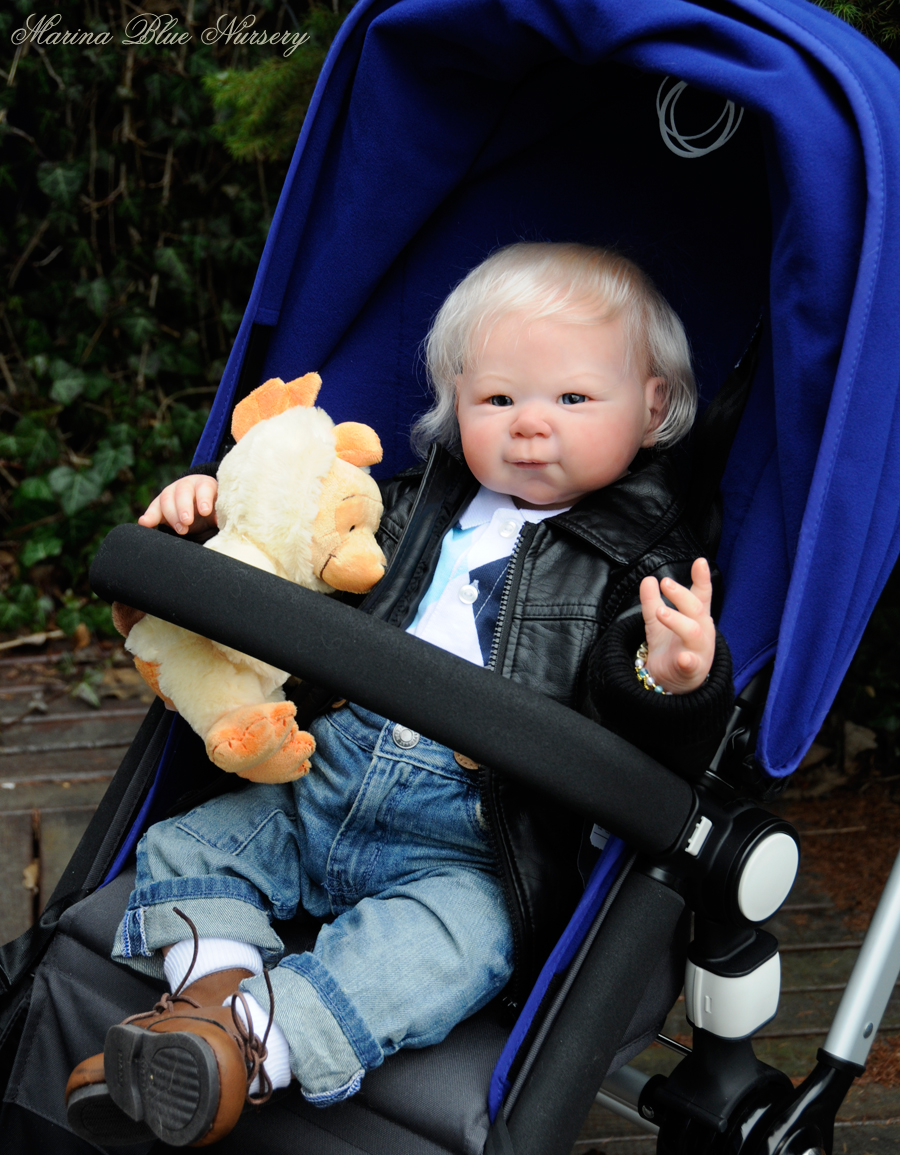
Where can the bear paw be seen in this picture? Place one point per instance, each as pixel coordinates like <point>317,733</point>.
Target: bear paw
<point>290,762</point>
<point>244,737</point>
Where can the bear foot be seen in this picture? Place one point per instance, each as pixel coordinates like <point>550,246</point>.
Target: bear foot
<point>245,737</point>
<point>289,763</point>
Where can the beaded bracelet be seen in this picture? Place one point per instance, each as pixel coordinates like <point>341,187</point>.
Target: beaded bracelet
<point>644,675</point>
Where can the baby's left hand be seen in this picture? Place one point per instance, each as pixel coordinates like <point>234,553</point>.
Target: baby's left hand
<point>680,642</point>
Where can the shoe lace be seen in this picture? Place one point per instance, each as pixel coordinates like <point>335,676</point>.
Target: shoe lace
<point>254,1047</point>
<point>168,1000</point>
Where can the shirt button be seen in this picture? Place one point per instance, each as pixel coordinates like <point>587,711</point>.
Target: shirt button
<point>468,594</point>
<point>404,737</point>
<point>509,528</point>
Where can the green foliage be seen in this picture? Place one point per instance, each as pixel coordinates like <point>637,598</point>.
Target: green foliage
<point>129,239</point>
<point>877,19</point>
<point>262,111</point>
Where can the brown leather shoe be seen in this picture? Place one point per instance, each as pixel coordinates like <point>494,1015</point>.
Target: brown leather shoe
<point>92,1114</point>
<point>186,1075</point>
<point>210,991</point>
<point>91,1111</point>
<point>183,1077</point>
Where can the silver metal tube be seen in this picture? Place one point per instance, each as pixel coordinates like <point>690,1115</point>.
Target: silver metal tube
<point>620,1093</point>
<point>872,981</point>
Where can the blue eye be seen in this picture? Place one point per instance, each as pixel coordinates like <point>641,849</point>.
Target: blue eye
<point>572,398</point>
<point>500,399</point>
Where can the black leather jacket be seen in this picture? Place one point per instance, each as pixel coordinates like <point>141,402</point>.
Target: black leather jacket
<point>569,577</point>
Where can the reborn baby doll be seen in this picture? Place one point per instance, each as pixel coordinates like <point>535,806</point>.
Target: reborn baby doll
<point>553,366</point>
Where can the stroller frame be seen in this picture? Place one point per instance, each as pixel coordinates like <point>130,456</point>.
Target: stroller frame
<point>707,844</point>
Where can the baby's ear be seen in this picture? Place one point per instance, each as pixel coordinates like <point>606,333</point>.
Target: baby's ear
<point>656,397</point>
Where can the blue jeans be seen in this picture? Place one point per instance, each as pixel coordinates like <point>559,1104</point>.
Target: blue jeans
<point>384,836</point>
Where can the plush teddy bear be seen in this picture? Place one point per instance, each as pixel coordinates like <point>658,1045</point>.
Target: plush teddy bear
<point>296,500</point>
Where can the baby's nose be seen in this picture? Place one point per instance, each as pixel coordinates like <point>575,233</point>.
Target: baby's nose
<point>531,421</point>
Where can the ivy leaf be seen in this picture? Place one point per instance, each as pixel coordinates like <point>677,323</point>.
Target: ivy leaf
<point>96,384</point>
<point>68,619</point>
<point>139,326</point>
<point>34,443</point>
<point>96,293</point>
<point>109,459</point>
<point>231,317</point>
<point>169,262</point>
<point>61,182</point>
<point>121,433</point>
<point>74,489</point>
<point>35,489</point>
<point>37,549</point>
<point>69,385</point>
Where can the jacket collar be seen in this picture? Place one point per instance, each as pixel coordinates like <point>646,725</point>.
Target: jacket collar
<point>623,520</point>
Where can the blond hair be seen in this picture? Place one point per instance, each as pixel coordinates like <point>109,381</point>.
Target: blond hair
<point>577,284</point>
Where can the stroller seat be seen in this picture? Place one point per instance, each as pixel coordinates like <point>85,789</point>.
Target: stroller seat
<point>428,1102</point>
<point>432,1101</point>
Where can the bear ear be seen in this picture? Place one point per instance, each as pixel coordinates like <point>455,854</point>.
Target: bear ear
<point>272,398</point>
<point>357,444</point>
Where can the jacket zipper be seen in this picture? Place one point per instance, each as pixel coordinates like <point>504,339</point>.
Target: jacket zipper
<point>510,592</point>
<point>512,998</point>
<point>486,776</point>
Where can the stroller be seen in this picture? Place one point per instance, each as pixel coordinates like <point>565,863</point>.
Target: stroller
<point>746,153</point>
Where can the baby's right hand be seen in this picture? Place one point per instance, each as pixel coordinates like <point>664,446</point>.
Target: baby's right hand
<point>186,504</point>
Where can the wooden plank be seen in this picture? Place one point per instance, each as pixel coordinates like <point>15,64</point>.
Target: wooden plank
<point>61,831</point>
<point>16,899</point>
<point>56,790</point>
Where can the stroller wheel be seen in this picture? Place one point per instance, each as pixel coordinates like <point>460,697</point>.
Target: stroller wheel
<point>94,1116</point>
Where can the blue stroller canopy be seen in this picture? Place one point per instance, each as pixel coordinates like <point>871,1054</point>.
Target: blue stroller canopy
<point>439,132</point>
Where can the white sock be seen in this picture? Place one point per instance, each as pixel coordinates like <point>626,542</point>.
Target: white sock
<point>278,1060</point>
<point>213,954</point>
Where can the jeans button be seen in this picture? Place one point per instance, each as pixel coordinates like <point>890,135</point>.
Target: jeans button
<point>404,737</point>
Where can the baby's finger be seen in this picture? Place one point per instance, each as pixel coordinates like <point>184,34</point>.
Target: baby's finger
<point>172,504</point>
<point>152,515</point>
<point>684,600</point>
<point>687,662</point>
<point>206,496</point>
<point>651,600</point>
<point>701,580</point>
<point>685,628</point>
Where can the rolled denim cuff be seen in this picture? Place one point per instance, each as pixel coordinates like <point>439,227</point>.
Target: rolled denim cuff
<point>331,1046</point>
<point>218,907</point>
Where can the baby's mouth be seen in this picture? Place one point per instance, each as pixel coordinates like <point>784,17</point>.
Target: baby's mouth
<point>530,464</point>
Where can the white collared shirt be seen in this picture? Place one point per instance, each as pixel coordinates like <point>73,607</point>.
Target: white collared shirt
<point>459,609</point>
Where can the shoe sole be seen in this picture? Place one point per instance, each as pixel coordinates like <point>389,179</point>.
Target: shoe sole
<point>92,1115</point>
<point>167,1080</point>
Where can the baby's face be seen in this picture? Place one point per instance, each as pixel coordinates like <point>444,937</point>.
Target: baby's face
<point>551,410</point>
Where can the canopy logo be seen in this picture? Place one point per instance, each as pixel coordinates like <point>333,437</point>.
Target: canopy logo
<point>160,30</point>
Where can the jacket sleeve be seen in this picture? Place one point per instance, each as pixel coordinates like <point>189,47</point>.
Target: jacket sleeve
<point>209,468</point>
<point>682,731</point>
